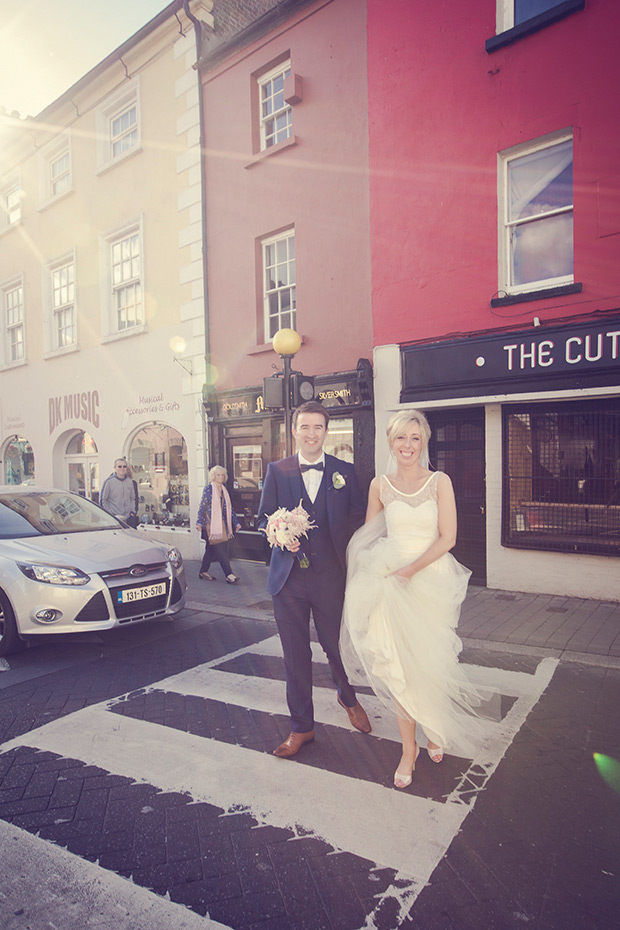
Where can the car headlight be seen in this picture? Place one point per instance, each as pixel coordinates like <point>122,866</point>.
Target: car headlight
<point>53,574</point>
<point>175,557</point>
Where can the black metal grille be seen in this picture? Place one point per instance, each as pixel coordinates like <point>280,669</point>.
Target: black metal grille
<point>95,611</point>
<point>562,477</point>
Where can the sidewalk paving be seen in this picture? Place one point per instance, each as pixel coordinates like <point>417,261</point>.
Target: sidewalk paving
<point>570,628</point>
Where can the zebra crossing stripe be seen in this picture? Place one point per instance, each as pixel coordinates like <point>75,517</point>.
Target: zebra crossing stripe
<point>398,830</point>
<point>502,680</point>
<point>391,828</point>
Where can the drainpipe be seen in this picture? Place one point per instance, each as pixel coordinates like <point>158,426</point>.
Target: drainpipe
<point>198,29</point>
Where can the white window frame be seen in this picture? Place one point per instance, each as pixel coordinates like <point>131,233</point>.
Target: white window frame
<point>109,134</point>
<point>60,298</point>
<point>10,216</point>
<point>122,275</point>
<point>279,290</point>
<point>283,69</point>
<point>506,225</point>
<point>53,187</point>
<point>505,14</point>
<point>13,330</point>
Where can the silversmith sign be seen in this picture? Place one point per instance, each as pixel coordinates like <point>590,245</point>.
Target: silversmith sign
<point>542,358</point>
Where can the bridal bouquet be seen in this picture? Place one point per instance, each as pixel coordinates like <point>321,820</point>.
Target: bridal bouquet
<point>285,526</point>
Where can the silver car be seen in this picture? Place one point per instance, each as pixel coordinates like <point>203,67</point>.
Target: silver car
<point>67,566</point>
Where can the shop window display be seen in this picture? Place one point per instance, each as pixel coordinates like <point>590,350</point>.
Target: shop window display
<point>247,467</point>
<point>563,477</point>
<point>158,460</point>
<point>18,462</point>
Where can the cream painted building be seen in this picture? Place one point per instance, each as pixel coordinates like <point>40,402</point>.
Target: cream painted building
<point>102,345</point>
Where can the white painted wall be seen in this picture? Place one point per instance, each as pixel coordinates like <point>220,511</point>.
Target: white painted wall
<point>162,182</point>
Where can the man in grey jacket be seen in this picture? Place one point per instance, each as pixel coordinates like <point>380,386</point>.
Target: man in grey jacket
<point>119,494</point>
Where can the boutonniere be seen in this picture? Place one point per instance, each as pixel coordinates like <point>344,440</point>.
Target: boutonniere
<point>338,481</point>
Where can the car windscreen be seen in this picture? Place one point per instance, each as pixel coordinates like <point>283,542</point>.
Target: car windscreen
<point>34,514</point>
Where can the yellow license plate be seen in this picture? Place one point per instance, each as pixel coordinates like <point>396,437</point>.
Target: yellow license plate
<point>141,594</point>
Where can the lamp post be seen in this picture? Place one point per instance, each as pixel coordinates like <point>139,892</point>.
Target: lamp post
<point>287,344</point>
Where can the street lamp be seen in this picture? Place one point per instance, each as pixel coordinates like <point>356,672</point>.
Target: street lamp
<point>287,344</point>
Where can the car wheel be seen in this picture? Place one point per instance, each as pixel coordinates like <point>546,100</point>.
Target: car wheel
<point>9,638</point>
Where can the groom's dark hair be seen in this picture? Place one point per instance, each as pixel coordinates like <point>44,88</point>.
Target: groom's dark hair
<point>311,406</point>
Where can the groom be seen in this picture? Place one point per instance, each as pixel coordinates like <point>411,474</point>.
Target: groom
<point>329,492</point>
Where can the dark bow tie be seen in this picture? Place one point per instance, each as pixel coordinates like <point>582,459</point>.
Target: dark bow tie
<point>319,466</point>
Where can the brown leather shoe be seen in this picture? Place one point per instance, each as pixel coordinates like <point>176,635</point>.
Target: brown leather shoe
<point>292,744</point>
<point>357,716</point>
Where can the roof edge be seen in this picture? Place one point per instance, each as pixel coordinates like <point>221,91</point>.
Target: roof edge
<point>255,30</point>
<point>114,56</point>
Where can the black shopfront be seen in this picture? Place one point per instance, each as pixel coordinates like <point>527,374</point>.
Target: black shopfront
<point>245,437</point>
<point>560,437</point>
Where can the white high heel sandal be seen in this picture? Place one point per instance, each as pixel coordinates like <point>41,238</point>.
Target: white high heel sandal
<point>406,779</point>
<point>436,754</point>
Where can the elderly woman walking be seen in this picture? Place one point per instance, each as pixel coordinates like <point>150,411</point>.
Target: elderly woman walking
<point>217,522</point>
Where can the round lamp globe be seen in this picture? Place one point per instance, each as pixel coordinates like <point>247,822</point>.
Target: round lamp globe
<point>287,342</point>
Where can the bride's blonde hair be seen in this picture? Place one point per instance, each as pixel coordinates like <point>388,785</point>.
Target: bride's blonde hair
<point>400,421</point>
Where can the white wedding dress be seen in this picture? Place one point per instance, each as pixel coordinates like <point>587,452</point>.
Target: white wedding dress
<point>401,637</point>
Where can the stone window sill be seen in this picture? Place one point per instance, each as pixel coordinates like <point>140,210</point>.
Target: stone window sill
<point>526,296</point>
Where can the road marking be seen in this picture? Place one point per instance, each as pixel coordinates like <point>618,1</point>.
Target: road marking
<point>277,793</point>
<point>397,830</point>
<point>503,680</point>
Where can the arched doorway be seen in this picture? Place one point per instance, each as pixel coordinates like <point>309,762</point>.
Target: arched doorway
<point>158,459</point>
<point>82,466</point>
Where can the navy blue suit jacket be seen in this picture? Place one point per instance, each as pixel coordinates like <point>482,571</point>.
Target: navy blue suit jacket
<point>284,487</point>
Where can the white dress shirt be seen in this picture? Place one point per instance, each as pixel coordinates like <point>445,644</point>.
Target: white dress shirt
<point>313,477</point>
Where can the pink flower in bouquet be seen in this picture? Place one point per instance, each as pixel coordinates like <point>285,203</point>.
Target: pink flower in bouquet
<point>285,526</point>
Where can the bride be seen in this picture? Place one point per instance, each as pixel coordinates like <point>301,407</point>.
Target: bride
<point>403,599</point>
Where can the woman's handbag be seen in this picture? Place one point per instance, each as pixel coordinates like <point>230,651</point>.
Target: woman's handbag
<point>214,540</point>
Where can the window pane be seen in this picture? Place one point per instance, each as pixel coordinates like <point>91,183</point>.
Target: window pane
<point>81,443</point>
<point>275,113</point>
<point>124,135</point>
<point>14,306</point>
<point>62,286</point>
<point>247,466</point>
<point>279,276</point>
<point>60,166</point>
<point>16,343</point>
<point>13,205</point>
<point>526,9</point>
<point>543,249</point>
<point>541,181</point>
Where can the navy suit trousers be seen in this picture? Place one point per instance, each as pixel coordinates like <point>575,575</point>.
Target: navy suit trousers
<point>322,593</point>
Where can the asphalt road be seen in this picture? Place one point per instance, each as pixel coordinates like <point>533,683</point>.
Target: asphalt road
<point>138,790</point>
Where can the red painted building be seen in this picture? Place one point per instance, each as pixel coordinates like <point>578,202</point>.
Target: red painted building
<point>287,232</point>
<point>494,142</point>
